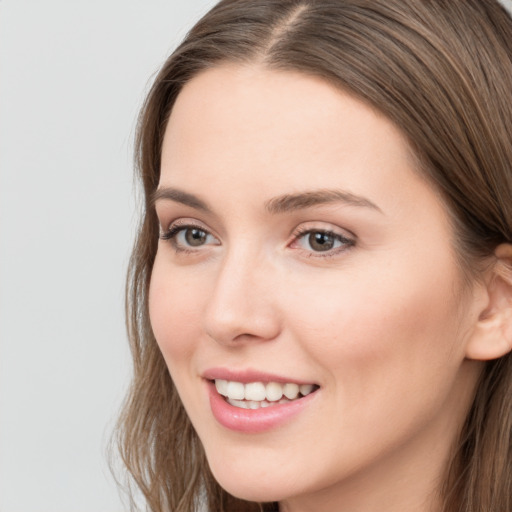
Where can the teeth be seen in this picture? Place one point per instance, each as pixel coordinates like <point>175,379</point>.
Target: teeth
<point>254,395</point>
<point>291,391</point>
<point>274,391</point>
<point>306,389</point>
<point>250,404</point>
<point>235,390</point>
<point>239,403</point>
<point>222,387</point>
<point>255,391</point>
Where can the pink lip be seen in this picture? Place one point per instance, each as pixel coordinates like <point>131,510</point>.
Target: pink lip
<point>249,375</point>
<point>251,421</point>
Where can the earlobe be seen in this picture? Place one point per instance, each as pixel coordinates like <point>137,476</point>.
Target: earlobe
<point>492,336</point>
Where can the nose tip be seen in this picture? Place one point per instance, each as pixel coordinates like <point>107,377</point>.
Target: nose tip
<point>228,328</point>
<point>242,307</point>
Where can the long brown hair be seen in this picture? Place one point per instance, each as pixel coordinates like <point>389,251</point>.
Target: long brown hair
<point>441,70</point>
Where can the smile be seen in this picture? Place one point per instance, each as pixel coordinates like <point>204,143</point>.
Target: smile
<point>250,401</point>
<point>256,395</point>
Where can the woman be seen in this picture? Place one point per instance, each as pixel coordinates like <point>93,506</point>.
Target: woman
<point>320,295</point>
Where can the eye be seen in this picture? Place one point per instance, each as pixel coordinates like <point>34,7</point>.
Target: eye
<point>188,237</point>
<point>192,236</point>
<point>322,241</point>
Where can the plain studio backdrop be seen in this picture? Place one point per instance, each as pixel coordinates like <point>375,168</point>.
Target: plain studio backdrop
<point>72,77</point>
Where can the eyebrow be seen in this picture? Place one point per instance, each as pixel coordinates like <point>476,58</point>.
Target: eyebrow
<point>179,196</point>
<point>276,205</point>
<point>303,200</point>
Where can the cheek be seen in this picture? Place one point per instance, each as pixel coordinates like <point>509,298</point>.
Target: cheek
<point>174,310</point>
<point>389,354</point>
<point>381,330</point>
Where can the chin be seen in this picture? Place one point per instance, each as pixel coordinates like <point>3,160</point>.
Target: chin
<point>260,486</point>
<point>250,491</point>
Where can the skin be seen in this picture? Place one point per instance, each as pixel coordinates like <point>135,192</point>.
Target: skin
<point>381,324</point>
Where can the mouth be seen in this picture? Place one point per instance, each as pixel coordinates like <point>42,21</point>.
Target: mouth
<point>257,395</point>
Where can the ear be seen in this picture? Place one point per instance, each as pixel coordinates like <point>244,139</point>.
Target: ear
<point>492,336</point>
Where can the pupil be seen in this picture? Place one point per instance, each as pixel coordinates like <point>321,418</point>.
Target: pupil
<point>321,241</point>
<point>195,237</point>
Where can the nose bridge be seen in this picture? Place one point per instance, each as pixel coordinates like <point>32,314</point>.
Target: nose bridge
<point>242,306</point>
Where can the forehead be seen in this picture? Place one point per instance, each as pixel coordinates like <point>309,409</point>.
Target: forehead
<point>252,118</point>
<point>241,135</point>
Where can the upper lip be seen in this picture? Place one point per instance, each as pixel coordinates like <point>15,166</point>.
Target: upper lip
<point>249,375</point>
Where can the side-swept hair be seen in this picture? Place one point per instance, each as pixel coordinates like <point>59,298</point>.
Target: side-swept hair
<point>441,70</point>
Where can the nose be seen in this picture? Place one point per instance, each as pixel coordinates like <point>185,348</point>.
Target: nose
<point>242,307</point>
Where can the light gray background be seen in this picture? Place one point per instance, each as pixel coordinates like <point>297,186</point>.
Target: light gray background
<point>72,76</point>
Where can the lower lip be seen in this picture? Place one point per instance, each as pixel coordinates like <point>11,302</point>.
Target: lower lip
<point>251,421</point>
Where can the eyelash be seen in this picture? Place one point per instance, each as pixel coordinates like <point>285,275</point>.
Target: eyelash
<point>346,242</point>
<point>171,234</point>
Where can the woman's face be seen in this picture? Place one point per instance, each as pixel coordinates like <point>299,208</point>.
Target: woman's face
<point>300,247</point>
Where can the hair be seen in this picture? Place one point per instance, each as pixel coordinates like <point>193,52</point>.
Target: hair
<point>441,70</point>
